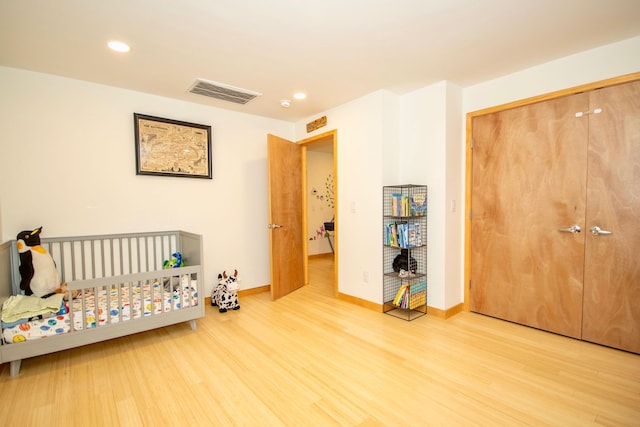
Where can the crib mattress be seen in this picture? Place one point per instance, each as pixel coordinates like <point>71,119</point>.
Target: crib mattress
<point>106,305</point>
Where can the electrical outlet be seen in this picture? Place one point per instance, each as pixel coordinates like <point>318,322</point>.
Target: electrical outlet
<point>365,276</point>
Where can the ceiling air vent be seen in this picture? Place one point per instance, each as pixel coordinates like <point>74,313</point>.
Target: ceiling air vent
<point>222,91</point>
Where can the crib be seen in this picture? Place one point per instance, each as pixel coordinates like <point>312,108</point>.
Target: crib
<point>117,286</point>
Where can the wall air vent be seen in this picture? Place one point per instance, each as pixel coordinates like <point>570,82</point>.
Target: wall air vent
<point>222,91</point>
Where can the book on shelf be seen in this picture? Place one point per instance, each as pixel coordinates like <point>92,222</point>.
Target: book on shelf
<point>410,296</point>
<point>408,205</point>
<point>418,300</point>
<point>401,234</point>
<point>418,205</point>
<point>418,294</point>
<point>413,235</point>
<point>417,287</point>
<point>400,296</point>
<point>395,204</point>
<point>390,235</point>
<point>400,204</point>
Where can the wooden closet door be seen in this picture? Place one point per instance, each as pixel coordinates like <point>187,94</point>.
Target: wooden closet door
<point>528,181</point>
<point>612,261</point>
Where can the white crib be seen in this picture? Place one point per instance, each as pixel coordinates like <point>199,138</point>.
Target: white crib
<point>121,286</point>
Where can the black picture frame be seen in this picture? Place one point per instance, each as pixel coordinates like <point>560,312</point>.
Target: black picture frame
<point>166,147</point>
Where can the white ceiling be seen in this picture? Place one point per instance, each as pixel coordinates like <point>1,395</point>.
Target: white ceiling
<point>334,50</point>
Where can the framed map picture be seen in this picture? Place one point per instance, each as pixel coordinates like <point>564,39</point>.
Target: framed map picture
<point>172,148</point>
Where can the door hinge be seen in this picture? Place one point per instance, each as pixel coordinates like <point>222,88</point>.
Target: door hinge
<point>469,284</point>
<point>471,143</point>
<point>584,113</point>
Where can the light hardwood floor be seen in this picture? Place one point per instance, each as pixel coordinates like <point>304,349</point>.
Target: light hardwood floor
<point>311,360</point>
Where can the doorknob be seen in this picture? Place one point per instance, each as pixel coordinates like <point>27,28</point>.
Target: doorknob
<point>273,226</point>
<point>574,229</point>
<point>596,231</point>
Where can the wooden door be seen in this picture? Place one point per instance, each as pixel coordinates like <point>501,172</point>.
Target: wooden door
<point>612,261</point>
<point>528,182</point>
<point>285,213</point>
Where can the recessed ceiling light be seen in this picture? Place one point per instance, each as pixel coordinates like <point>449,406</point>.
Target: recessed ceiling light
<point>118,46</point>
<point>299,95</point>
<point>285,103</point>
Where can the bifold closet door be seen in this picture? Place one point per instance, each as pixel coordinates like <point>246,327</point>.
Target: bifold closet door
<point>529,171</point>
<point>612,261</point>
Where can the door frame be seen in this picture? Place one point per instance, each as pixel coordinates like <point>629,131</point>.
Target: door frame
<point>329,136</point>
<point>469,150</point>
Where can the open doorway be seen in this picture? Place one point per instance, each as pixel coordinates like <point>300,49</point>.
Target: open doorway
<point>319,218</point>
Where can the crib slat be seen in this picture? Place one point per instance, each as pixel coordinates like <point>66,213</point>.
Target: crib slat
<point>155,253</point>
<point>146,254</point>
<point>83,260</point>
<point>93,260</point>
<point>162,298</point>
<point>162,249</point>
<point>121,256</point>
<point>111,259</point>
<point>108,302</point>
<point>102,258</point>
<point>130,255</point>
<point>131,302</point>
<point>73,264</point>
<point>135,255</point>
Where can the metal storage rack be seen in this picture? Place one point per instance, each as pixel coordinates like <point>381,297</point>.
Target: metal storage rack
<point>404,234</point>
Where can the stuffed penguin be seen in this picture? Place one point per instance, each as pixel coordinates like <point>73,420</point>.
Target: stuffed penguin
<point>38,272</point>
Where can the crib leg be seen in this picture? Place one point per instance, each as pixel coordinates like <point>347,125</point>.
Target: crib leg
<point>193,324</point>
<point>14,367</point>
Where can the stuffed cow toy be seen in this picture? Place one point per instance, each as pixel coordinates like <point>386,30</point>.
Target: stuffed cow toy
<point>225,294</point>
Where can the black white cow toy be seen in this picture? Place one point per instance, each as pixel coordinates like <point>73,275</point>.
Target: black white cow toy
<point>225,294</point>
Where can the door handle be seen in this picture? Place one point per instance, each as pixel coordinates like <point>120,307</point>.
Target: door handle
<point>574,229</point>
<point>596,231</point>
<point>274,226</point>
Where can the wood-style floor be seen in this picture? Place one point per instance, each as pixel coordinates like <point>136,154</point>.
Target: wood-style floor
<point>310,360</point>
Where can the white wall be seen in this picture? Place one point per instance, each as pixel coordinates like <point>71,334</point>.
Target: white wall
<point>454,199</point>
<point>362,125</point>
<point>422,161</point>
<point>585,67</point>
<point>319,204</point>
<point>68,164</point>
<point>430,135</point>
